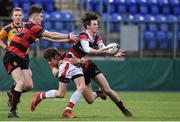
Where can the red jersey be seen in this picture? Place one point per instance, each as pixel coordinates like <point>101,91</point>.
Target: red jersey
<point>77,49</point>
<point>24,38</point>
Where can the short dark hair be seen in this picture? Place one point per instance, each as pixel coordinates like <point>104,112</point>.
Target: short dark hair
<point>50,52</point>
<point>35,8</point>
<point>86,19</point>
<point>16,9</point>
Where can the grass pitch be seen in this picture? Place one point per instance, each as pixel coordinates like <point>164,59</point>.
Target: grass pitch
<point>146,106</point>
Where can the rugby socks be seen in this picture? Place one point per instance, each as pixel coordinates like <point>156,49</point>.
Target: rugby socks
<point>15,99</point>
<point>48,94</point>
<point>43,95</point>
<point>73,100</point>
<point>120,105</point>
<point>69,107</point>
<point>12,88</point>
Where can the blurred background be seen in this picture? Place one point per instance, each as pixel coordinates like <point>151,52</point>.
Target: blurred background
<point>149,31</point>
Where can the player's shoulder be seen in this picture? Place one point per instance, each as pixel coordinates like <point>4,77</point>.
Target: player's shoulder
<point>83,34</point>
<point>7,28</point>
<point>31,25</point>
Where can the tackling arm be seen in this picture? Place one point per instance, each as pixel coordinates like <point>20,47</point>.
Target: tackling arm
<point>53,40</point>
<point>55,36</point>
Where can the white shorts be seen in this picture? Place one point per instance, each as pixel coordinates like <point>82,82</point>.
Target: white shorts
<point>69,71</point>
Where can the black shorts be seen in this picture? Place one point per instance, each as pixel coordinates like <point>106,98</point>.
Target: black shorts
<point>67,80</point>
<point>64,80</point>
<point>91,72</point>
<point>12,61</point>
<point>27,59</point>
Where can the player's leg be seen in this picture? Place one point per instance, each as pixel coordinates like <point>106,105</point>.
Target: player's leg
<point>102,82</point>
<point>12,64</point>
<point>89,95</point>
<point>9,93</point>
<point>28,85</point>
<point>24,65</point>
<point>38,97</point>
<point>60,93</point>
<point>80,86</point>
<point>18,77</point>
<point>93,71</point>
<point>69,71</point>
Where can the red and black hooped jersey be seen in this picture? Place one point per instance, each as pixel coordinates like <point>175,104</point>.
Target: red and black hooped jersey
<point>24,38</point>
<point>77,49</point>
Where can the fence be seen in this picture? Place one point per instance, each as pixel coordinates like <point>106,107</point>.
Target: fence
<point>135,74</point>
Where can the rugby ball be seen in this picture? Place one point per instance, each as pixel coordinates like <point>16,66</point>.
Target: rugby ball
<point>112,48</point>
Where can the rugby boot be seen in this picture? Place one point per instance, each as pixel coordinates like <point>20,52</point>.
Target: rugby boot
<point>13,114</point>
<point>127,113</point>
<point>68,114</point>
<point>36,100</point>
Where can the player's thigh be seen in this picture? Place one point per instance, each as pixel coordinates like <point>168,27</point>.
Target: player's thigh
<point>28,77</point>
<point>30,72</point>
<point>102,82</point>
<point>17,76</point>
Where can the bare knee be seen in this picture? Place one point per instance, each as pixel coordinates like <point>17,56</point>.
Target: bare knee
<point>81,88</point>
<point>28,87</point>
<point>89,101</point>
<point>20,83</point>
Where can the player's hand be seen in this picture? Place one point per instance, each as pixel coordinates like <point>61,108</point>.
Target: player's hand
<point>74,60</point>
<point>120,53</point>
<point>73,37</point>
<point>102,51</point>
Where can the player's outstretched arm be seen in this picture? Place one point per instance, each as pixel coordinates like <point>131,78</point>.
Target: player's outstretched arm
<point>89,50</point>
<point>53,40</point>
<point>56,37</point>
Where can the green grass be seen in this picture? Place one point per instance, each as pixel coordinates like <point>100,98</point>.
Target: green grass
<point>146,106</point>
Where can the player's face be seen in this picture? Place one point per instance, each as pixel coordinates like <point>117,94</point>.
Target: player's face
<point>39,18</point>
<point>93,27</point>
<point>55,60</point>
<point>17,17</point>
